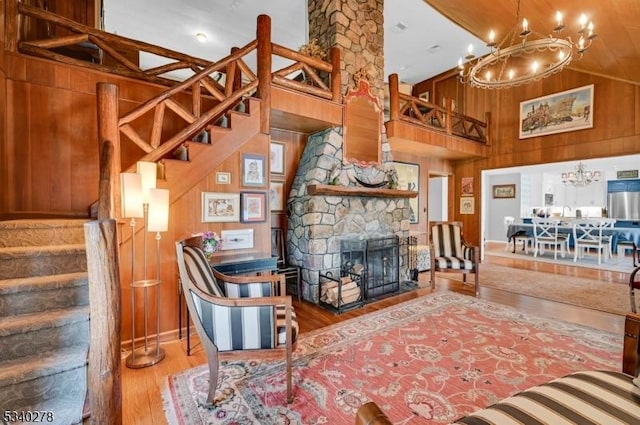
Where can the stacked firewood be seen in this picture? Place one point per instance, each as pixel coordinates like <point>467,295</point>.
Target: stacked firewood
<point>350,292</point>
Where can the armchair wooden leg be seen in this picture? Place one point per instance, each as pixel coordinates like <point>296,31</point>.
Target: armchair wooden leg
<point>213,376</point>
<point>433,277</point>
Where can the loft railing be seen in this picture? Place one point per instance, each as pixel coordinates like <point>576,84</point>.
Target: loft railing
<point>411,109</point>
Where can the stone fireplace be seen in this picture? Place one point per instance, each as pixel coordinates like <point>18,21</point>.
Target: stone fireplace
<point>319,223</point>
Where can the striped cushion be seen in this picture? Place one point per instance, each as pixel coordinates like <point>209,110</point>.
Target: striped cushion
<point>454,263</point>
<point>281,323</point>
<point>447,240</point>
<point>199,270</point>
<point>236,328</point>
<point>247,290</point>
<point>591,397</point>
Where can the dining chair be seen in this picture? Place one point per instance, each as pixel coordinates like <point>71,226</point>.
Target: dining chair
<point>546,234</point>
<point>516,237</point>
<point>587,235</point>
<point>236,317</point>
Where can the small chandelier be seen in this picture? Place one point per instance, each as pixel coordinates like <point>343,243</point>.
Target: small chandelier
<point>581,176</point>
<point>512,62</point>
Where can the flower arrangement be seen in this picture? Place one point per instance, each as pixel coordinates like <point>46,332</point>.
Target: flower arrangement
<point>211,242</point>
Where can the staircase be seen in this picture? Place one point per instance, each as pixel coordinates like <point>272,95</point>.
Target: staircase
<point>44,319</point>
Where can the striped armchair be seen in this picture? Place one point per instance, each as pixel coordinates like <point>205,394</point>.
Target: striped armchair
<point>236,316</point>
<point>450,253</point>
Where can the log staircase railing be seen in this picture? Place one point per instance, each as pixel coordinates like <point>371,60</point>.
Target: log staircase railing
<point>411,109</point>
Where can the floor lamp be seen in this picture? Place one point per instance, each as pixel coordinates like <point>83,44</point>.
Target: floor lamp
<point>142,192</point>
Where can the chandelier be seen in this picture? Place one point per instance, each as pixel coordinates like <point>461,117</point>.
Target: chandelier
<point>524,55</point>
<point>581,176</point>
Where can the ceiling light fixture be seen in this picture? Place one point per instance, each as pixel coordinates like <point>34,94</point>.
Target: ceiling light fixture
<point>512,62</point>
<point>581,176</point>
<point>201,37</point>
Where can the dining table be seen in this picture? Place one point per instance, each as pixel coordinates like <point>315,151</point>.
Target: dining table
<point>631,234</point>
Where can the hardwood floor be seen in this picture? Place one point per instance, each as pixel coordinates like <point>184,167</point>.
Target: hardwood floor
<point>141,388</point>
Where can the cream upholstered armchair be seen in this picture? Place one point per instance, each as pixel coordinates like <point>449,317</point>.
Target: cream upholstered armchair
<point>450,253</point>
<point>236,317</point>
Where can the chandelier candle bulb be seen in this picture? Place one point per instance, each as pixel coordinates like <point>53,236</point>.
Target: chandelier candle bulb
<point>559,22</point>
<point>492,39</point>
<point>525,28</point>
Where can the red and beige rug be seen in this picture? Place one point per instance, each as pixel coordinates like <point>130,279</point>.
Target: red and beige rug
<point>425,361</point>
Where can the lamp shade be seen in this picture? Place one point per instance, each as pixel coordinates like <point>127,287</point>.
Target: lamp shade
<point>131,191</point>
<point>148,172</point>
<point>158,210</point>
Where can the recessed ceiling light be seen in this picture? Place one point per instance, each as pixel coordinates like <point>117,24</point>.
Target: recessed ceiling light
<point>201,37</point>
<point>399,27</point>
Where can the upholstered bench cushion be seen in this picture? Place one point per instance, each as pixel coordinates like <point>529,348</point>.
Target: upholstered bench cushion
<point>591,397</point>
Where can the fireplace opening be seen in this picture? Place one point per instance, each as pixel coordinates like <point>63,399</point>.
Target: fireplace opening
<point>376,260</point>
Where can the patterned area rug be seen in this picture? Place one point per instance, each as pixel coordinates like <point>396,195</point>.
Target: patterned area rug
<point>428,360</point>
<point>594,294</point>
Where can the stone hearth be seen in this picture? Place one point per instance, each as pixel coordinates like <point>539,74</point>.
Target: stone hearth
<point>318,223</point>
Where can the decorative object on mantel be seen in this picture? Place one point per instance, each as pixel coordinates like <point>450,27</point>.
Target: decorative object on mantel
<point>392,177</point>
<point>369,174</point>
<point>334,175</point>
<point>524,55</point>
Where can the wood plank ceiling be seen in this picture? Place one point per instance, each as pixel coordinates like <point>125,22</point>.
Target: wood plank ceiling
<point>615,53</point>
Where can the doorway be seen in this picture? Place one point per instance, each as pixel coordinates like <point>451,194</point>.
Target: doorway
<point>437,201</point>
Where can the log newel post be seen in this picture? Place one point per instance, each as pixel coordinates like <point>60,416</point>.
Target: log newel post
<point>11,26</point>
<point>264,71</point>
<point>108,114</point>
<point>449,119</point>
<point>104,363</point>
<point>104,189</point>
<point>336,81</point>
<point>394,98</point>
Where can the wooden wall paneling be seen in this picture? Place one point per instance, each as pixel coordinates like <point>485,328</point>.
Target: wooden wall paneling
<point>4,190</point>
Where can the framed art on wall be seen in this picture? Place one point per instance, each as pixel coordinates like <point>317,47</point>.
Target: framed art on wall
<point>254,207</point>
<point>276,157</point>
<point>467,205</point>
<point>253,170</point>
<point>504,191</point>
<point>569,110</point>
<point>223,177</point>
<point>409,179</point>
<point>220,207</point>
<point>276,196</point>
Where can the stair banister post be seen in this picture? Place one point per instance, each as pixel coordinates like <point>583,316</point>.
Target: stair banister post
<point>264,71</point>
<point>487,132</point>
<point>108,115</point>
<point>449,119</point>
<point>104,364</point>
<point>12,27</point>
<point>394,98</point>
<point>336,81</point>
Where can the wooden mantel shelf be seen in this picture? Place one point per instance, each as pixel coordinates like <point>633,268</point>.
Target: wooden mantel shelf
<point>329,190</point>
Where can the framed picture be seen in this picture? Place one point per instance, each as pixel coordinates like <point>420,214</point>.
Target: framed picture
<point>276,196</point>
<point>504,191</point>
<point>276,158</point>
<point>223,177</point>
<point>467,186</point>
<point>569,110</point>
<point>236,239</point>
<point>253,170</point>
<point>220,207</point>
<point>467,205</point>
<point>254,207</point>
<point>409,179</point>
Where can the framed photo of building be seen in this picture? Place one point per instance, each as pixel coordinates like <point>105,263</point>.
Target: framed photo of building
<point>253,170</point>
<point>409,179</point>
<point>569,110</point>
<point>220,207</point>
